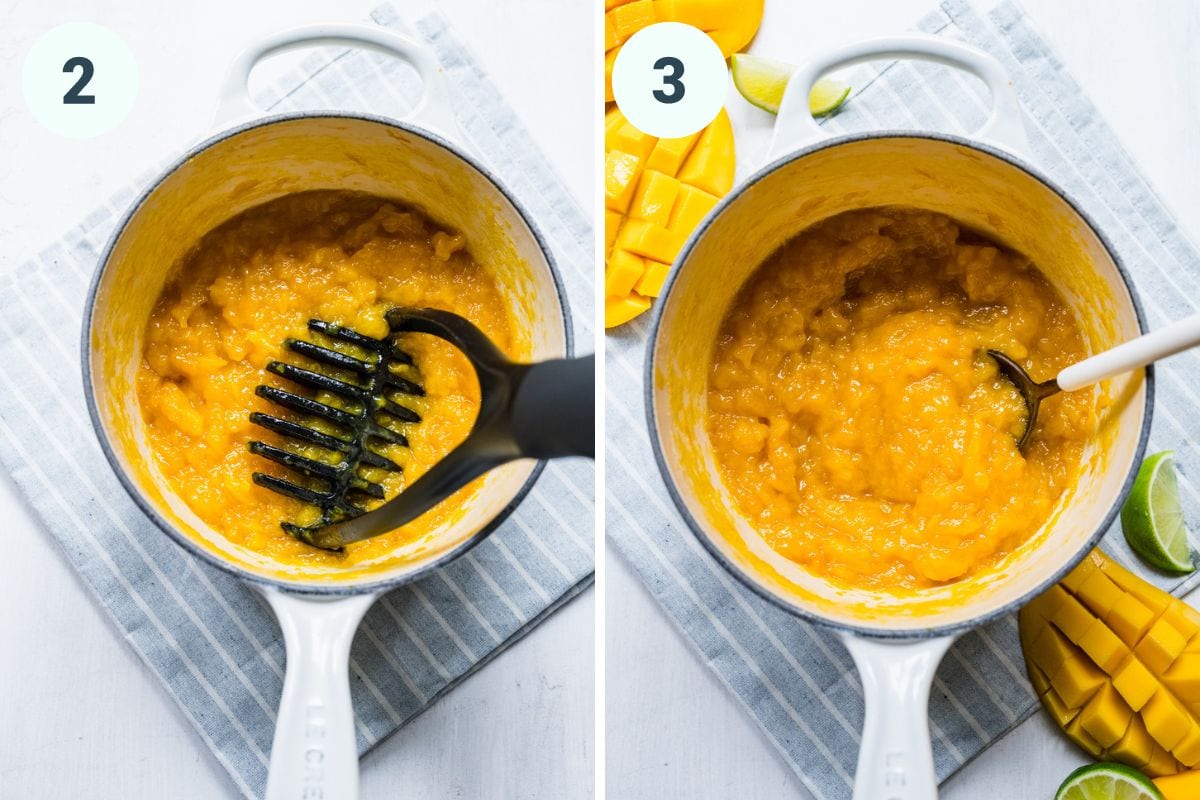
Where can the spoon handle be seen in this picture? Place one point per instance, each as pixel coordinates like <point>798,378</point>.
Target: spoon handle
<point>1139,352</point>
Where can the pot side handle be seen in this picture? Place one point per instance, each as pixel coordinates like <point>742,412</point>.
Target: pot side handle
<point>314,753</point>
<point>433,110</point>
<point>795,127</point>
<point>895,761</point>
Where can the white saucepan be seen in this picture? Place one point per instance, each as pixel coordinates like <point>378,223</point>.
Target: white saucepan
<point>254,159</point>
<point>985,183</point>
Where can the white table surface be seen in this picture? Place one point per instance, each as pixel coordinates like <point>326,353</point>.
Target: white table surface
<point>80,715</point>
<point>672,730</point>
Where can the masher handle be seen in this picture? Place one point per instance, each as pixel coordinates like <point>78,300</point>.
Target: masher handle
<point>554,409</point>
<point>461,465</point>
<point>1146,349</point>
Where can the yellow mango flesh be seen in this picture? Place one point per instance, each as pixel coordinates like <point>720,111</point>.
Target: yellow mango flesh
<point>1184,786</point>
<point>730,23</point>
<point>656,191</point>
<point>1116,663</point>
<point>255,281</point>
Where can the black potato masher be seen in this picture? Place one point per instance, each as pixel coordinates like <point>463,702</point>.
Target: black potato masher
<point>539,410</point>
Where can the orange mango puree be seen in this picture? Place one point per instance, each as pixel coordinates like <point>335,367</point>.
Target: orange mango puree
<point>255,281</point>
<point>854,420</point>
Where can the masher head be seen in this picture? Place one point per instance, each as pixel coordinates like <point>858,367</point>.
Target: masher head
<point>347,410</point>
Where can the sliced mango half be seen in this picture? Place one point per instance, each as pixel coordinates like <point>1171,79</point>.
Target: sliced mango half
<point>1116,663</point>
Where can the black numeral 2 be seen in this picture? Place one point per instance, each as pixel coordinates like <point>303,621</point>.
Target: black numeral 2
<point>73,96</point>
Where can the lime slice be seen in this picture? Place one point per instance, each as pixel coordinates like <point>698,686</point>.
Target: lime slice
<point>1107,782</point>
<point>762,81</point>
<point>1152,518</point>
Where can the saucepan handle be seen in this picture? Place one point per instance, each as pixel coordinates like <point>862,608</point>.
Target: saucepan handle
<point>895,761</point>
<point>433,110</point>
<point>795,127</point>
<point>314,753</point>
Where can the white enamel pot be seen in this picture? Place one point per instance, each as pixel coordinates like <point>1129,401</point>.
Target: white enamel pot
<point>253,159</point>
<point>983,182</point>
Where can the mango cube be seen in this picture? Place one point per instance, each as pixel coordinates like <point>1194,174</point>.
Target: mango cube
<point>1104,647</point>
<point>630,18</point>
<point>1106,717</point>
<point>624,270</point>
<point>1076,577</point>
<point>1151,596</point>
<point>703,14</point>
<point>1135,747</point>
<point>1161,645</point>
<point>668,155</point>
<point>1039,679</point>
<point>1166,720</point>
<point>653,278</point>
<point>693,205</point>
<point>650,241</point>
<point>1129,618</point>
<point>1187,752</point>
<point>1047,605</point>
<point>1077,680</point>
<point>1183,678</point>
<point>710,166</point>
<point>1075,732</point>
<point>1099,593</point>
<point>1073,619</point>
<point>1049,650</point>
<point>654,198</point>
<point>1060,712</point>
<point>1135,683</point>
<point>628,139</point>
<point>612,225</point>
<point>1181,616</point>
<point>620,179</point>
<point>1161,763</point>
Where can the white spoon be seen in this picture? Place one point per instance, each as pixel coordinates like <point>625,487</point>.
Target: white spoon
<point>1146,349</point>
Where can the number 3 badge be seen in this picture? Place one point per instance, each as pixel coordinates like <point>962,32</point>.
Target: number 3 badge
<point>670,80</point>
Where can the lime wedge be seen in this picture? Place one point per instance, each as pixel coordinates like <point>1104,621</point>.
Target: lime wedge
<point>762,81</point>
<point>1153,519</point>
<point>1107,782</point>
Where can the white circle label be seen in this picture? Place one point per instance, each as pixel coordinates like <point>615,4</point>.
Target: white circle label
<point>670,80</point>
<point>80,80</point>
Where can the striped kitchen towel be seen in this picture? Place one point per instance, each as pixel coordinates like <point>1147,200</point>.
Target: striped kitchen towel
<point>210,639</point>
<point>797,681</point>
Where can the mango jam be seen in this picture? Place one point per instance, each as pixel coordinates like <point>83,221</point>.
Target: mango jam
<point>856,423</point>
<point>257,280</point>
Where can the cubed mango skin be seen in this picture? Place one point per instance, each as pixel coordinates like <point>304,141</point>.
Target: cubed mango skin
<point>669,184</point>
<point>657,191</point>
<point>1116,664</point>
